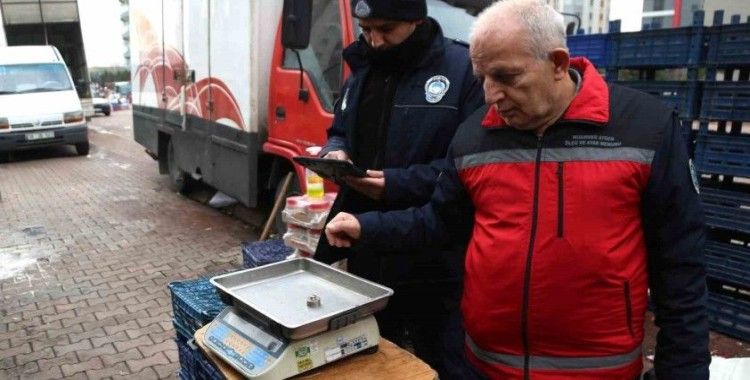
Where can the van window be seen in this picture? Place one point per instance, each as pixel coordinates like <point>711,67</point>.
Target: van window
<point>37,77</point>
<point>322,59</point>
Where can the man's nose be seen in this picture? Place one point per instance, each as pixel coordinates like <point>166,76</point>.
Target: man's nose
<point>493,92</point>
<point>376,40</point>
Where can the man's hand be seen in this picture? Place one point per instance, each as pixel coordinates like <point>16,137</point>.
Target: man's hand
<point>373,185</point>
<point>343,230</point>
<point>337,155</point>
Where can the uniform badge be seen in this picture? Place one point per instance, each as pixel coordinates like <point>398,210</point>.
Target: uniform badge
<point>435,88</point>
<point>694,177</point>
<point>343,100</point>
<point>362,9</point>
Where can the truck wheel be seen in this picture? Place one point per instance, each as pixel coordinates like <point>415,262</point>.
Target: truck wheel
<point>107,111</point>
<point>293,190</point>
<point>83,148</point>
<point>178,179</point>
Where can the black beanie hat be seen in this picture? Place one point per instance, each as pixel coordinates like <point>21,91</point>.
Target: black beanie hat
<point>403,10</point>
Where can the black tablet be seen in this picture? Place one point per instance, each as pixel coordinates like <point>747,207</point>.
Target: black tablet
<point>330,168</point>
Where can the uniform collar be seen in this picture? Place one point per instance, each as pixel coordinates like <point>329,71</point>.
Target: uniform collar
<point>591,103</point>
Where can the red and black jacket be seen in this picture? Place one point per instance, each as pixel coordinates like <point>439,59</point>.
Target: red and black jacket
<point>569,230</point>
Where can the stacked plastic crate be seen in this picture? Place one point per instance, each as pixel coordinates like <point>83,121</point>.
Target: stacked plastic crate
<point>654,51</point>
<point>722,156</point>
<point>194,304</point>
<point>595,47</point>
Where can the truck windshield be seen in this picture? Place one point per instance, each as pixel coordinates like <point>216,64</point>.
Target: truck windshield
<point>37,77</point>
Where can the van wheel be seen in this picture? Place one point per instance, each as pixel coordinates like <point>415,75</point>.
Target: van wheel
<point>293,190</point>
<point>107,111</point>
<point>178,179</point>
<point>83,148</point>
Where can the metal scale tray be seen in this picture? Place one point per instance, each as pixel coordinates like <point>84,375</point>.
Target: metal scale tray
<point>276,297</point>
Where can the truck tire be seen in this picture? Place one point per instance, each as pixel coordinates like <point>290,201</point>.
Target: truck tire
<point>83,148</point>
<point>178,179</point>
<point>294,189</point>
<point>107,111</point>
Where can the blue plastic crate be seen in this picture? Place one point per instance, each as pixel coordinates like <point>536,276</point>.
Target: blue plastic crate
<point>728,45</point>
<point>729,315</point>
<point>195,303</point>
<point>674,47</point>
<point>207,370</point>
<point>259,253</point>
<point>595,47</point>
<point>684,96</point>
<point>723,154</point>
<point>181,332</point>
<point>188,366</point>
<point>726,209</point>
<point>728,262</point>
<point>726,101</point>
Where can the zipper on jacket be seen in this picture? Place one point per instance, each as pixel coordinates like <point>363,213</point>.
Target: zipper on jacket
<point>628,308</point>
<point>560,199</point>
<point>527,275</point>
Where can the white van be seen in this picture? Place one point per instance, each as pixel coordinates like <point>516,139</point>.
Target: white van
<point>38,104</point>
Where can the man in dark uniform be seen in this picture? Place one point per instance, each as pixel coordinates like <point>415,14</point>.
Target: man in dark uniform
<point>409,90</point>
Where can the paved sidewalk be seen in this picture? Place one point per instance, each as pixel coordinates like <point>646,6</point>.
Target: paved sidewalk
<point>99,237</point>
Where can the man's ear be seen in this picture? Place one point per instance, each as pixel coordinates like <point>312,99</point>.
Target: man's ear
<point>561,60</point>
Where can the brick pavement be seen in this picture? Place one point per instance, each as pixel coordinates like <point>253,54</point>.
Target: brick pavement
<point>100,237</point>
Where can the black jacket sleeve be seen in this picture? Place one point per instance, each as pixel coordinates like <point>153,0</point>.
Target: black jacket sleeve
<point>675,233</point>
<point>447,217</point>
<point>337,134</point>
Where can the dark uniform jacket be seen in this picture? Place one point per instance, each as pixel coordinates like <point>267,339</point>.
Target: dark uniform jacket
<point>412,151</point>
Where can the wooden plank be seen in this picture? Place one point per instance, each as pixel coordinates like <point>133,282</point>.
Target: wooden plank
<point>390,362</point>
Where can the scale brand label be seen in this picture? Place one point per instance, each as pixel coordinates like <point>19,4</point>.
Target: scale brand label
<point>302,352</point>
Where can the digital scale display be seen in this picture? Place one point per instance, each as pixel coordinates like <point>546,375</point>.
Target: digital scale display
<point>243,344</point>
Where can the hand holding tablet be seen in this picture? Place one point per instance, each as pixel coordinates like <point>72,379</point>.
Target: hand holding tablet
<point>331,169</point>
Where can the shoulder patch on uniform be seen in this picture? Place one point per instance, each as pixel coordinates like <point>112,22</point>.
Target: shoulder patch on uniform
<point>694,176</point>
<point>435,88</point>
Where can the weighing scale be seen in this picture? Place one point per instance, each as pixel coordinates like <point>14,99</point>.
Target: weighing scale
<point>293,316</point>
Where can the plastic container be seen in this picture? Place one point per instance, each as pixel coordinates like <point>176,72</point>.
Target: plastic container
<point>318,212</point>
<point>313,237</point>
<point>312,215</point>
<point>313,181</point>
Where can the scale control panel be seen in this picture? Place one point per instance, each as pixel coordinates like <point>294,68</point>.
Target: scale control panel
<point>260,355</point>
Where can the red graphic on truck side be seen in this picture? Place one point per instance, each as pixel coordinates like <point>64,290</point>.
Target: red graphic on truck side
<point>208,98</point>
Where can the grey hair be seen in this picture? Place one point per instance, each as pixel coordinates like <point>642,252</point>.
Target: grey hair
<point>545,27</point>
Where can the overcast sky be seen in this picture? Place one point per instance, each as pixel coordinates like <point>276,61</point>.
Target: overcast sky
<point>102,32</point>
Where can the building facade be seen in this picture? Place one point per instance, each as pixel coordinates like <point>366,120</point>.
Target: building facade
<point>589,16</point>
<point>676,13</point>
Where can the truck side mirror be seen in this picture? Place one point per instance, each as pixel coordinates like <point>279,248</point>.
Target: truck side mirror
<point>296,20</point>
